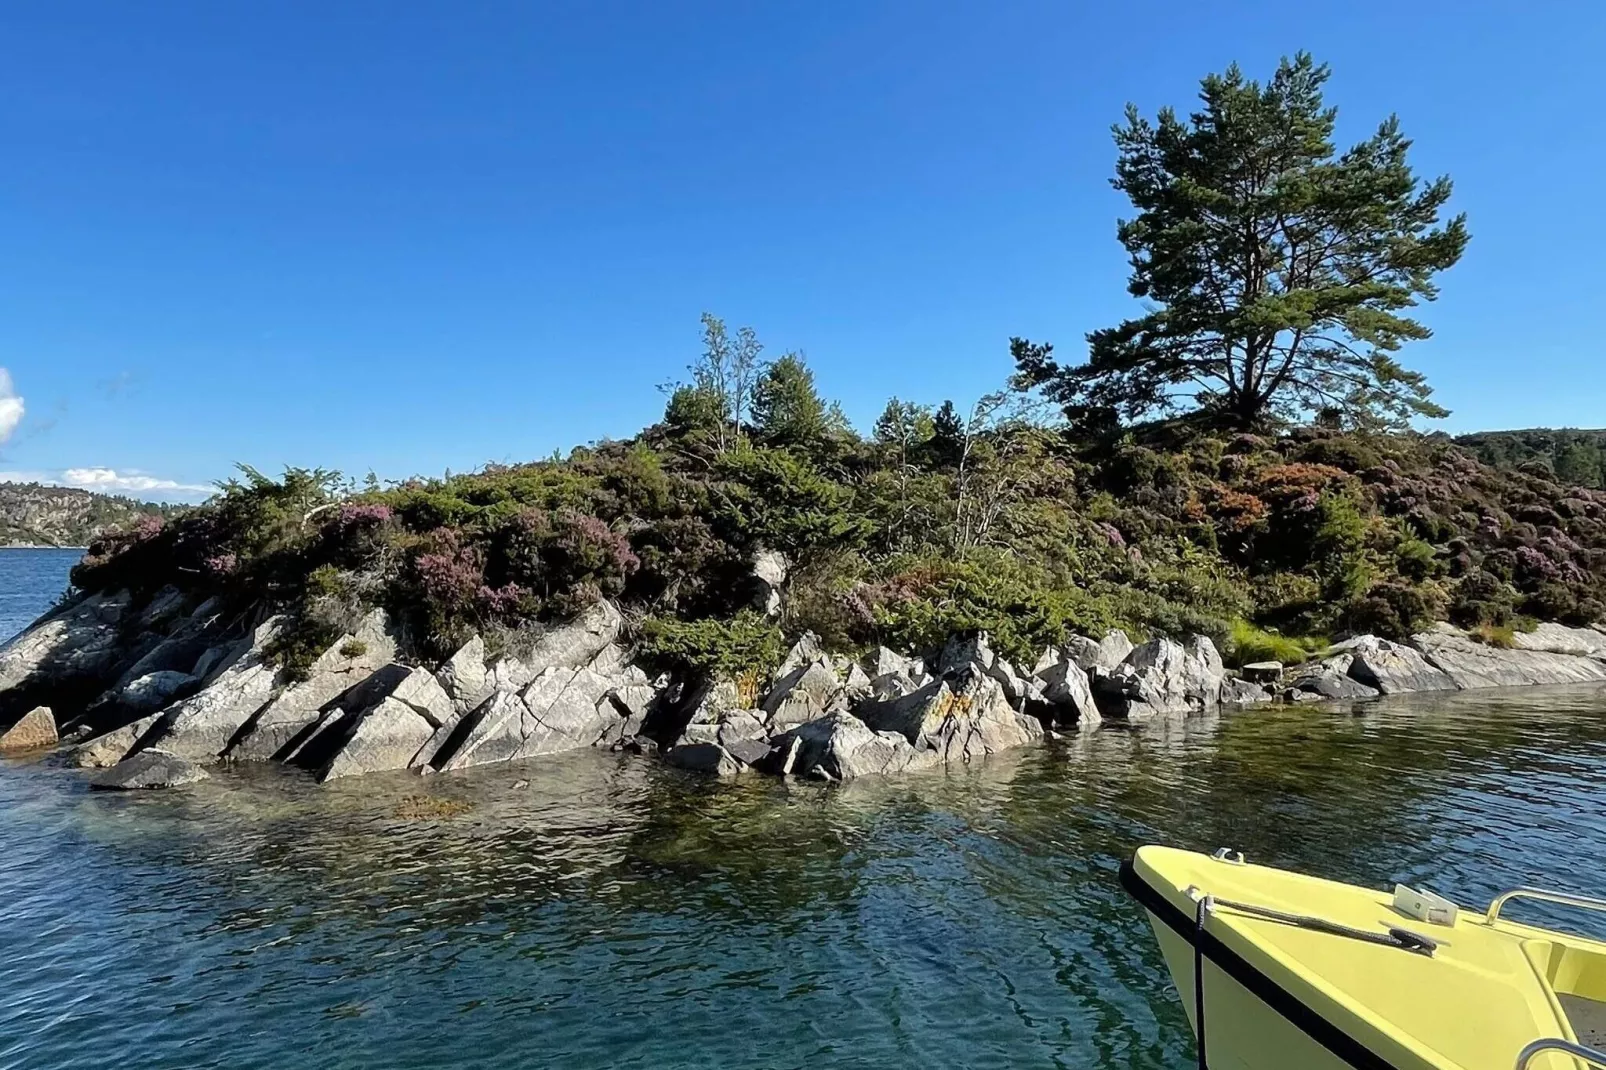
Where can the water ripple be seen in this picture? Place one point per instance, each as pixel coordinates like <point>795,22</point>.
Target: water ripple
<point>590,911</point>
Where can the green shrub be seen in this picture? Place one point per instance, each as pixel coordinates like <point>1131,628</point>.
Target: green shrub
<point>717,649</point>
<point>1248,644</point>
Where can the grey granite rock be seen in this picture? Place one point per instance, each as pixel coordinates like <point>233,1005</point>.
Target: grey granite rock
<point>149,769</point>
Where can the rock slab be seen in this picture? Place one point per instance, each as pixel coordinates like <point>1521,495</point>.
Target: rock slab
<point>147,770</point>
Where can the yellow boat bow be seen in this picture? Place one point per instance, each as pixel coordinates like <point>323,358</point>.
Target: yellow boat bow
<point>1300,972</point>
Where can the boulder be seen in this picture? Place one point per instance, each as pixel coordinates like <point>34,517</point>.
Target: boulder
<point>80,638</point>
<point>464,676</point>
<point>1327,680</point>
<point>804,694</point>
<point>561,709</point>
<point>1470,664</point>
<point>840,747</point>
<point>732,725</point>
<point>149,769</point>
<point>1114,648</point>
<point>749,751</point>
<point>36,730</point>
<point>66,657</point>
<point>1551,638</point>
<point>155,690</point>
<point>1264,672</point>
<point>769,578</point>
<point>202,726</point>
<point>109,748</point>
<point>350,661</point>
<point>1240,692</point>
<point>857,685</point>
<point>1164,677</point>
<point>957,725</point>
<point>966,653</point>
<point>803,653</point>
<point>1066,690</point>
<point>703,758</point>
<point>885,662</point>
<point>1391,667</point>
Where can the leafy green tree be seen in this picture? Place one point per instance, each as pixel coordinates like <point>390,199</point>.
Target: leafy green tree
<point>1276,270</point>
<point>720,393</point>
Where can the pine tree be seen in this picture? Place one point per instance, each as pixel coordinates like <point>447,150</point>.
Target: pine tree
<point>787,410</point>
<point>947,444</point>
<point>1276,269</point>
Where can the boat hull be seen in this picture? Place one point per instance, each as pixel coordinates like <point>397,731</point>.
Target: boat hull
<point>1242,1032</point>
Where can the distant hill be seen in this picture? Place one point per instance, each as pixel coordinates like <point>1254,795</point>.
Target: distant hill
<point>1575,456</point>
<point>32,514</point>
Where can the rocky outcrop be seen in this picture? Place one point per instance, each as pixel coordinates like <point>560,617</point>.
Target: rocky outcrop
<point>1165,678</point>
<point>465,677</point>
<point>1064,687</point>
<point>1104,654</point>
<point>149,769</point>
<point>561,709</point>
<point>958,724</point>
<point>1327,679</point>
<point>349,662</point>
<point>1392,668</point>
<point>1551,638</point>
<point>577,642</point>
<point>1470,664</point>
<point>391,733</point>
<point>66,658</point>
<point>113,746</point>
<point>841,747</point>
<point>804,694</point>
<point>35,731</point>
<point>201,727</point>
<point>1237,691</point>
<point>154,690</point>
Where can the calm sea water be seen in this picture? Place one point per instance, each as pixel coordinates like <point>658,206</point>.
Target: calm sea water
<point>590,911</point>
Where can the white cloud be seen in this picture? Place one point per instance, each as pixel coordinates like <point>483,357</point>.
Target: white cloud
<point>11,407</point>
<point>111,481</point>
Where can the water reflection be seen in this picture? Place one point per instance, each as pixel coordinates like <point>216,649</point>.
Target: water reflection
<point>592,910</point>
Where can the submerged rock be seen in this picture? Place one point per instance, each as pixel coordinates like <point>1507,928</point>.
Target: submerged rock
<point>149,769</point>
<point>703,758</point>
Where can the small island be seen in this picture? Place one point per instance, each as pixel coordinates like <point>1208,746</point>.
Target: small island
<point>1224,504</point>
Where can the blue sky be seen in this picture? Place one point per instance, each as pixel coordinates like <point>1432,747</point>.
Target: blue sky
<point>413,237</point>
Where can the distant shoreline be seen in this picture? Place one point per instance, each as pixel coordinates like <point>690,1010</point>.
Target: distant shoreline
<point>37,546</point>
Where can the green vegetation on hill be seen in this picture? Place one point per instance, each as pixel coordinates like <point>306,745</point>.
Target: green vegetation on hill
<point>1231,463</point>
<point>32,514</point>
<point>1574,457</point>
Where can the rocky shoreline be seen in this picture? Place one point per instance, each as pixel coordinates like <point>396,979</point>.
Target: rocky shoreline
<point>149,693</point>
